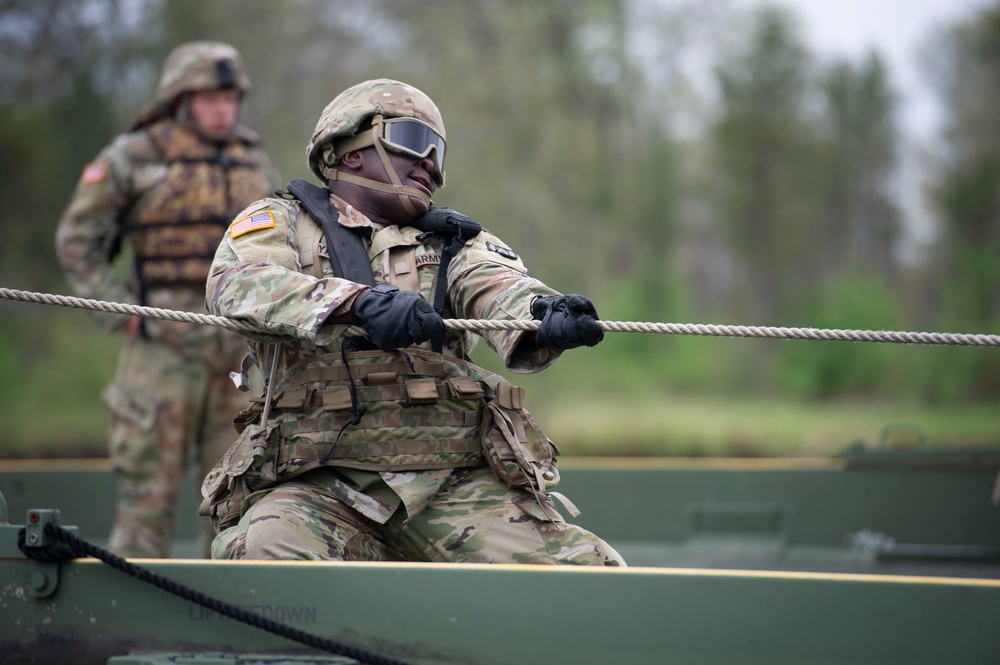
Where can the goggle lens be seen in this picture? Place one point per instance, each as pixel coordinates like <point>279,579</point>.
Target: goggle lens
<point>414,138</point>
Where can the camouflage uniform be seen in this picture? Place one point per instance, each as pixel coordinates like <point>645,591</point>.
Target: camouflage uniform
<point>443,463</point>
<point>170,193</point>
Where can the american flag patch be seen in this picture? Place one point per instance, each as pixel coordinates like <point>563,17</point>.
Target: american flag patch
<point>93,172</point>
<point>255,222</point>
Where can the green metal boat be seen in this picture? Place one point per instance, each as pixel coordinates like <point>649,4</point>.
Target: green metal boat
<point>872,557</point>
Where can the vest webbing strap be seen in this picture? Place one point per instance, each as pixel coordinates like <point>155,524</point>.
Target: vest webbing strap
<point>361,371</point>
<point>451,226</point>
<point>348,255</point>
<point>470,445</point>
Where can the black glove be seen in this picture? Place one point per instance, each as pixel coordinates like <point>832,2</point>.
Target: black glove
<point>566,322</point>
<point>396,319</point>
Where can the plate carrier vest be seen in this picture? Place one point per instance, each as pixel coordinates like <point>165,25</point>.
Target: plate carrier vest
<point>176,229</point>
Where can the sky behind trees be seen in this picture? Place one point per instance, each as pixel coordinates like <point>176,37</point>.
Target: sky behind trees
<point>901,30</point>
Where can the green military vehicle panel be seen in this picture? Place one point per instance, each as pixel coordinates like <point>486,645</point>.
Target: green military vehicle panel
<point>928,514</point>
<point>731,563</point>
<point>464,613</point>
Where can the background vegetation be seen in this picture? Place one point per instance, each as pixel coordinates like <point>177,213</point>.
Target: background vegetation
<point>767,195</point>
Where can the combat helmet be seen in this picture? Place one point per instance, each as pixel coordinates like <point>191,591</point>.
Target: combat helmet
<point>403,119</point>
<point>197,66</point>
<point>191,67</point>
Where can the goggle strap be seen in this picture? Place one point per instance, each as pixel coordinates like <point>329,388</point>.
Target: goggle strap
<point>361,139</point>
<point>356,142</point>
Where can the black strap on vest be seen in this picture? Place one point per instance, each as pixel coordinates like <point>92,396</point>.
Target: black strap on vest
<point>348,255</point>
<point>450,225</point>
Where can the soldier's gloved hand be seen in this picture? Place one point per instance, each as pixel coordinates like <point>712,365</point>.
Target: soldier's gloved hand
<point>566,322</point>
<point>396,319</point>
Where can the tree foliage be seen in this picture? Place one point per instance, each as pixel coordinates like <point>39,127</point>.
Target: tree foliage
<point>562,140</point>
<point>764,165</point>
<point>967,190</point>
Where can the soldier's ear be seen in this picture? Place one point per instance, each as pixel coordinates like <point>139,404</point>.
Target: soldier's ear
<point>352,160</point>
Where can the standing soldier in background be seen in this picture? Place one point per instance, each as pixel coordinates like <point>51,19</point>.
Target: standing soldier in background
<point>388,443</point>
<point>169,187</point>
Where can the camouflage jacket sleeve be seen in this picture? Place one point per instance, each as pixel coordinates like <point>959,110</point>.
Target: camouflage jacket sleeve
<point>90,228</point>
<point>487,280</point>
<point>256,277</point>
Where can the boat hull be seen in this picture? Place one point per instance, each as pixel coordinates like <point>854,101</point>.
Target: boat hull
<point>427,613</point>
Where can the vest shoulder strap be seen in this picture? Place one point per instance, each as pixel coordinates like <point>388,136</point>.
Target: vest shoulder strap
<point>348,254</point>
<point>456,229</point>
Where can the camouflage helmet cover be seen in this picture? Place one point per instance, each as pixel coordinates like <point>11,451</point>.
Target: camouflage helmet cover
<point>347,112</point>
<point>201,65</point>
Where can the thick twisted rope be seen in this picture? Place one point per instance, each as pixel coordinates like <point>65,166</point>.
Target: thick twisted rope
<point>709,330</point>
<point>713,330</point>
<point>124,308</point>
<point>71,546</point>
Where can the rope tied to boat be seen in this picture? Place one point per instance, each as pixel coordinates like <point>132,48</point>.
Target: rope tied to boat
<point>698,329</point>
<point>67,546</point>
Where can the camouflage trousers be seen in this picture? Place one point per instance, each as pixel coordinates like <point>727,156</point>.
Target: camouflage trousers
<point>477,520</point>
<point>168,410</point>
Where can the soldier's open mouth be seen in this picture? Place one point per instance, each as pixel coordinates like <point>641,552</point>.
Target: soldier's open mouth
<point>420,183</point>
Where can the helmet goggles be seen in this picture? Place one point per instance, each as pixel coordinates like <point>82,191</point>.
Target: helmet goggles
<point>404,136</point>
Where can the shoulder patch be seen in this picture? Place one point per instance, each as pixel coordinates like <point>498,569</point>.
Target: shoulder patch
<point>93,173</point>
<point>502,251</point>
<point>255,222</point>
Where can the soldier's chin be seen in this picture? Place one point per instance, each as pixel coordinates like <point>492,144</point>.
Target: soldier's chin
<point>420,205</point>
<point>216,133</point>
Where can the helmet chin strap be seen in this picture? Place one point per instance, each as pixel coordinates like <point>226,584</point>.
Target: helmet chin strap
<point>404,192</point>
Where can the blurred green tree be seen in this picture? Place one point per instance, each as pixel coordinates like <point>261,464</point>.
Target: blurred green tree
<point>763,167</point>
<point>967,188</point>
<point>763,175</point>
<point>860,226</point>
